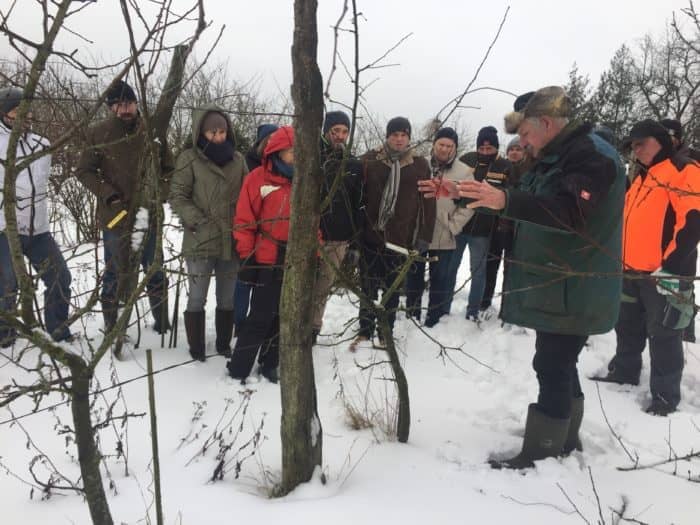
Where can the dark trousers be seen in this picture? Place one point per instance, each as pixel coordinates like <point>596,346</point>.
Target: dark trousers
<point>117,281</point>
<point>260,330</point>
<point>555,361</point>
<point>501,245</point>
<point>46,258</point>
<point>641,317</point>
<point>379,268</point>
<point>439,290</point>
<point>241,302</point>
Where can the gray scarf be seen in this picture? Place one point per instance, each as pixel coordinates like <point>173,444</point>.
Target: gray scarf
<point>391,188</point>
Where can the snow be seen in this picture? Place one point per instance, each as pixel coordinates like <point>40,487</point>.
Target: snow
<point>140,229</point>
<point>465,406</point>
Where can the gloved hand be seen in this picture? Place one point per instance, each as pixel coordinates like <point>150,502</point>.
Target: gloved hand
<point>666,284</point>
<point>421,246</point>
<point>679,310</point>
<point>248,272</point>
<point>352,257</point>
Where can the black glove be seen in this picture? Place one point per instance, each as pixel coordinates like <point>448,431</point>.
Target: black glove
<point>421,246</point>
<point>248,272</point>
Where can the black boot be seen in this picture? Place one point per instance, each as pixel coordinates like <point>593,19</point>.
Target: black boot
<point>224,329</point>
<point>544,438</point>
<point>159,310</point>
<point>614,375</point>
<point>194,326</point>
<point>109,314</point>
<point>573,442</point>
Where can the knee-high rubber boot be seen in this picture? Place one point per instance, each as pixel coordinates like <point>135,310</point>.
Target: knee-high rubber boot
<point>224,330</point>
<point>573,442</point>
<point>544,438</point>
<point>194,326</point>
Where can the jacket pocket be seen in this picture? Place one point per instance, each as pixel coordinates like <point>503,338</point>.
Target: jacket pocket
<point>206,236</point>
<point>544,291</point>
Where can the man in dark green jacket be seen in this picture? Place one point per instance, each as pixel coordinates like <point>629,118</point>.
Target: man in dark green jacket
<point>565,278</point>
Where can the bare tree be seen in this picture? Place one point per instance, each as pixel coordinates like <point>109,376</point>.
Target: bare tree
<point>70,370</point>
<point>302,436</point>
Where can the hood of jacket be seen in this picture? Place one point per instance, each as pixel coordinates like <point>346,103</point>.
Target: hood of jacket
<point>198,115</point>
<point>280,140</point>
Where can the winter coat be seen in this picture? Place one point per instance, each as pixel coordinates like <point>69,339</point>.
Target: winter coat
<point>31,184</point>
<point>261,222</point>
<point>662,218</point>
<point>414,216</point>
<point>569,219</point>
<point>341,220</point>
<point>496,173</point>
<point>204,195</point>
<point>449,217</point>
<point>113,165</point>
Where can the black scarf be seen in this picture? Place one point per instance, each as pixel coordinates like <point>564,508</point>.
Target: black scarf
<point>282,168</point>
<point>219,154</point>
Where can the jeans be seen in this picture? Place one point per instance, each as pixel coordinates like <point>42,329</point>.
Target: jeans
<point>501,244</point>
<point>46,258</point>
<point>198,276</point>
<point>116,282</point>
<point>478,249</point>
<point>439,293</point>
<point>241,302</point>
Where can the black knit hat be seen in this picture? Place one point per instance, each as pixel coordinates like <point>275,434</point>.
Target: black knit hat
<point>398,124</point>
<point>674,128</point>
<point>650,128</point>
<point>447,133</point>
<point>10,98</point>
<point>490,134</point>
<point>334,118</point>
<point>120,91</point>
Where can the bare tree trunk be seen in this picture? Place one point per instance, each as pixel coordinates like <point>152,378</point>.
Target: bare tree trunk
<point>88,453</point>
<point>301,427</point>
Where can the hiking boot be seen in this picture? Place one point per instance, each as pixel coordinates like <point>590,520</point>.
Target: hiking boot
<point>544,438</point>
<point>357,341</point>
<point>224,330</point>
<point>486,314</point>
<point>271,374</point>
<point>659,407</point>
<point>573,442</point>
<point>431,321</point>
<point>617,377</point>
<point>194,326</point>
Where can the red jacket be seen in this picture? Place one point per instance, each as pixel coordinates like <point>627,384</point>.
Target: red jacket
<point>261,221</point>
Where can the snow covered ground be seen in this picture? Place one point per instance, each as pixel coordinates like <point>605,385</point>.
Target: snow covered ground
<point>464,407</point>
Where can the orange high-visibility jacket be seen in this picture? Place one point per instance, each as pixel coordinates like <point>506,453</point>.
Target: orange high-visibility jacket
<point>662,218</point>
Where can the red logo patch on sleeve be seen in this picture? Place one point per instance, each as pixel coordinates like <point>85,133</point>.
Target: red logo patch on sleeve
<point>585,195</point>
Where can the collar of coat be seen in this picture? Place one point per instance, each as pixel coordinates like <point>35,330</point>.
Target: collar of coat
<point>405,159</point>
<point>551,151</point>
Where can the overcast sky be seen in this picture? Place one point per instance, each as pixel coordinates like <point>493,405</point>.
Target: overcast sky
<point>540,41</point>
